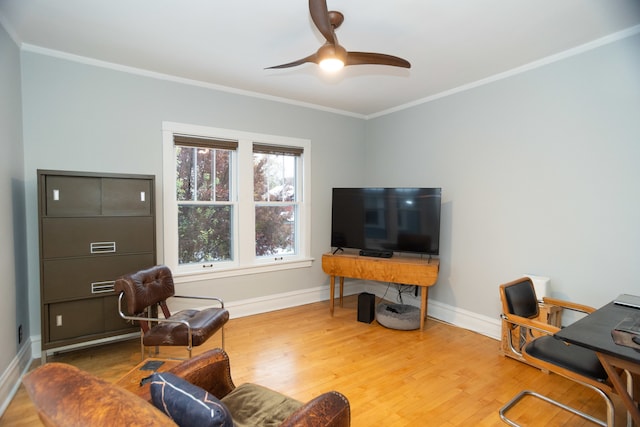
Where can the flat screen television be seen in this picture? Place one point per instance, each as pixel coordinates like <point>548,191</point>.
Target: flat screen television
<point>386,220</point>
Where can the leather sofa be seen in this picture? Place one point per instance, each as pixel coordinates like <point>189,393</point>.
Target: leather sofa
<point>67,396</point>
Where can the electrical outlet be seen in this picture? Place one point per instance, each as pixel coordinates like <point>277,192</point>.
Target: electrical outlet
<point>20,334</point>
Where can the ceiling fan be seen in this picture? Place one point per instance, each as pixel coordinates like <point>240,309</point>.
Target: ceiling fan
<point>331,56</point>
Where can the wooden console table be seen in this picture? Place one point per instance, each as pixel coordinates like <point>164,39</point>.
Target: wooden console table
<point>407,271</point>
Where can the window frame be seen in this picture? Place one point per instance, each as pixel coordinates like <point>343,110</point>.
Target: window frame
<point>196,143</point>
<point>295,153</point>
<point>245,260</point>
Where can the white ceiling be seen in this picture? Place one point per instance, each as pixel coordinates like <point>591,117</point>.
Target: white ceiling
<point>450,43</point>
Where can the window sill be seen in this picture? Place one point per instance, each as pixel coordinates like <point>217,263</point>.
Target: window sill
<point>213,273</point>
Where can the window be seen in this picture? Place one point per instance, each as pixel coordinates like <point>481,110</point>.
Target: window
<point>275,193</point>
<point>205,199</point>
<point>234,202</point>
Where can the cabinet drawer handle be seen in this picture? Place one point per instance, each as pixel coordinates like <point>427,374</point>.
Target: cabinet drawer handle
<point>102,287</point>
<point>103,247</point>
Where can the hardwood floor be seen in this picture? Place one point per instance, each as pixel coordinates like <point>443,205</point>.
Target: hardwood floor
<point>442,376</point>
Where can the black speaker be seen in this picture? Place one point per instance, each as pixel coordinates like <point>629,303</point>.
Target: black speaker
<point>366,307</point>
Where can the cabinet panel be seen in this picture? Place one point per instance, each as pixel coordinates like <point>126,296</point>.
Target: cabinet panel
<point>75,318</point>
<point>67,237</point>
<point>123,196</point>
<point>72,196</point>
<point>85,277</point>
<point>112,320</point>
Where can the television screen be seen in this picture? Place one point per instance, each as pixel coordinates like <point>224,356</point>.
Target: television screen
<point>386,219</point>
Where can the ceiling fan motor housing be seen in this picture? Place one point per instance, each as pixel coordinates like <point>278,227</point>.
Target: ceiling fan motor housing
<point>332,51</point>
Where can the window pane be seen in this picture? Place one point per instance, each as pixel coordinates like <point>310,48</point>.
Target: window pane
<point>274,177</point>
<point>223,175</point>
<point>202,174</point>
<point>275,230</point>
<point>204,178</point>
<point>204,233</point>
<point>184,173</point>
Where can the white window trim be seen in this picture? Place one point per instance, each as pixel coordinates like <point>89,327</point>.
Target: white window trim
<point>245,261</point>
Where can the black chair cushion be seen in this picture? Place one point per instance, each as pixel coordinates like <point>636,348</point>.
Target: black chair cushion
<point>521,299</point>
<point>204,323</point>
<point>571,357</point>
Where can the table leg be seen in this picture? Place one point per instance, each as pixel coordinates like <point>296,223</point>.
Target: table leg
<point>341,290</point>
<point>608,364</point>
<point>424,290</point>
<point>332,291</point>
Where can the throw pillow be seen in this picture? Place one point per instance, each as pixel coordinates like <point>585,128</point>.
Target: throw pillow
<point>187,404</point>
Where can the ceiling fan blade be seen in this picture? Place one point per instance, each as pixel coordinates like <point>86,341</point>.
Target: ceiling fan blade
<point>327,21</point>
<point>311,58</point>
<point>361,58</point>
<point>320,16</point>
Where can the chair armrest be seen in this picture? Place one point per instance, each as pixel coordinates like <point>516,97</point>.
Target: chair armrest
<point>530,323</point>
<point>210,371</point>
<point>568,305</point>
<point>65,395</point>
<point>200,297</point>
<point>330,409</point>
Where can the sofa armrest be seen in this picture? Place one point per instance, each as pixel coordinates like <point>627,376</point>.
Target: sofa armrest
<point>210,371</point>
<point>65,395</point>
<point>330,409</point>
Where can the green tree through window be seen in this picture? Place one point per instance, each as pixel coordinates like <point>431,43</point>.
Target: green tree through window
<point>274,191</point>
<point>203,193</point>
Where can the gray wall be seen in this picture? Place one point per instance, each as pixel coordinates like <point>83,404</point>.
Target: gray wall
<point>538,170</point>
<point>540,175</point>
<point>13,286</point>
<point>81,117</point>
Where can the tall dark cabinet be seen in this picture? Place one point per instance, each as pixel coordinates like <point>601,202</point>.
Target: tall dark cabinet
<point>94,228</point>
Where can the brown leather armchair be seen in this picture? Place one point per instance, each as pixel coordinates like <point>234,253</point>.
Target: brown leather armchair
<point>211,371</point>
<point>64,396</point>
<point>140,295</point>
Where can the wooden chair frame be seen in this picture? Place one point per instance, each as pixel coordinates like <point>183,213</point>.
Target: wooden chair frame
<point>529,325</point>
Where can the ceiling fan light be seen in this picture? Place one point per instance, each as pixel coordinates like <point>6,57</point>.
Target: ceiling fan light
<point>331,64</point>
<point>331,57</point>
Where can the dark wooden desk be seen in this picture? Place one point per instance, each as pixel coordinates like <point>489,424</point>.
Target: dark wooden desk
<point>594,332</point>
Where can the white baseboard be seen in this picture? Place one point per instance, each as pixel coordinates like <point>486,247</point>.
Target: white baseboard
<point>10,379</point>
<point>465,319</point>
<point>36,347</point>
<point>269,303</point>
<point>459,317</point>
<point>456,316</point>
